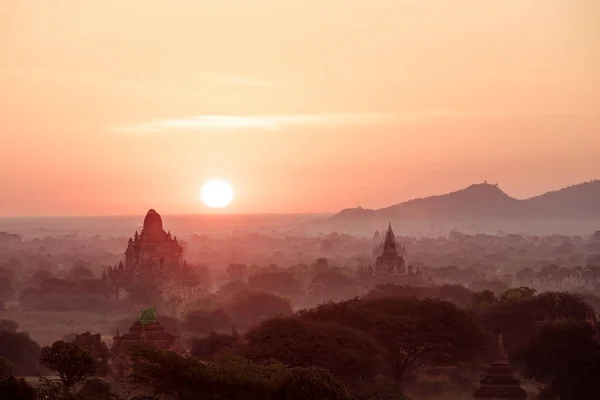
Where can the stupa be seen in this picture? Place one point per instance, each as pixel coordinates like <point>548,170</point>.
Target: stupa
<point>500,382</point>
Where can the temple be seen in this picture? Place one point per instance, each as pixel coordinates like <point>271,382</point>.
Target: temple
<point>151,256</point>
<point>147,330</point>
<point>389,261</point>
<point>500,382</point>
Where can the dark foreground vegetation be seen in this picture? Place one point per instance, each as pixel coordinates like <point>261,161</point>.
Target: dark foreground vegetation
<point>386,345</point>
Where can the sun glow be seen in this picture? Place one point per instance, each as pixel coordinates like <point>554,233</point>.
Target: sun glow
<point>217,193</point>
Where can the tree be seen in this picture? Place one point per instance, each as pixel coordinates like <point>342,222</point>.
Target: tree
<point>67,360</point>
<point>517,319</point>
<point>40,276</point>
<point>278,282</point>
<point>16,389</point>
<point>96,389</point>
<point>59,286</point>
<point>484,298</point>
<point>168,375</point>
<point>21,351</point>
<point>6,368</point>
<point>237,271</point>
<point>7,291</point>
<point>525,275</point>
<point>203,322</point>
<point>80,272</point>
<point>309,383</point>
<point>95,286</point>
<point>517,293</point>
<point>7,273</point>
<point>215,346</point>
<point>246,308</point>
<point>564,357</point>
<point>349,354</point>
<point>413,332</point>
<point>8,325</point>
<point>94,345</point>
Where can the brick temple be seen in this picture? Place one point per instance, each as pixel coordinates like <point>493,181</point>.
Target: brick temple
<point>500,382</point>
<point>142,332</point>
<point>152,256</point>
<point>390,260</point>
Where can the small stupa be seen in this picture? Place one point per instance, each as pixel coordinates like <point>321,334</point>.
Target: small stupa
<point>500,382</point>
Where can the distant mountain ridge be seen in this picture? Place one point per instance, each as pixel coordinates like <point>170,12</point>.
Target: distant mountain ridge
<point>488,201</point>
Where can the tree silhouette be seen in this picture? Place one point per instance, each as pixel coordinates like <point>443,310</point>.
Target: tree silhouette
<point>69,362</point>
<point>309,383</point>
<point>564,357</point>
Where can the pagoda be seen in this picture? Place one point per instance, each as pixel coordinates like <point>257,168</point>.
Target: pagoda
<point>389,261</point>
<point>147,330</point>
<point>500,382</point>
<point>152,256</point>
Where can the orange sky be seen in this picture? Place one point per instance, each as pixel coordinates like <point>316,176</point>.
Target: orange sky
<point>114,107</point>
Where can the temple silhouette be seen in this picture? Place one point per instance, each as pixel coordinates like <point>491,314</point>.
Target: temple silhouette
<point>153,256</point>
<point>390,256</point>
<point>500,382</point>
<point>142,332</point>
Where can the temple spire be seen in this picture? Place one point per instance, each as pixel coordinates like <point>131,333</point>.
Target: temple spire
<point>500,382</point>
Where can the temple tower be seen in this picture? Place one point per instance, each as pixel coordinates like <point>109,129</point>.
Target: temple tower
<point>146,330</point>
<point>500,382</point>
<point>151,256</point>
<point>388,260</point>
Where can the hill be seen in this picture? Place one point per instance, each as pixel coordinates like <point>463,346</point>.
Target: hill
<point>487,201</point>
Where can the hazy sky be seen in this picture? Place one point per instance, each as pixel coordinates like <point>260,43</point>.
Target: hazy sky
<point>113,106</point>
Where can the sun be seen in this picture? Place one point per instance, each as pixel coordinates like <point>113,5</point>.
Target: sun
<point>216,193</point>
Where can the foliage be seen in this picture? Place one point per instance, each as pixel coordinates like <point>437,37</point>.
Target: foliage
<point>6,368</point>
<point>59,286</point>
<point>413,332</point>
<point>94,345</point>
<point>517,319</point>
<point>237,271</point>
<point>7,291</point>
<point>348,353</point>
<point>80,272</point>
<point>21,351</point>
<point>166,374</point>
<point>277,282</point>
<point>248,307</point>
<point>40,276</point>
<point>308,383</point>
<point>215,346</point>
<point>484,298</point>
<point>95,286</point>
<point>67,360</point>
<point>380,388</point>
<point>16,389</point>
<point>96,389</point>
<point>517,293</point>
<point>203,322</point>
<point>564,357</point>
<point>8,325</point>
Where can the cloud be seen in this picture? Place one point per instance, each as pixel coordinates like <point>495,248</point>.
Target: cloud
<point>223,123</point>
<point>229,123</point>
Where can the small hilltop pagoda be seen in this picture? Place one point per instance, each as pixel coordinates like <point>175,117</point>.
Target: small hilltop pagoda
<point>500,382</point>
<point>148,331</point>
<point>152,256</point>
